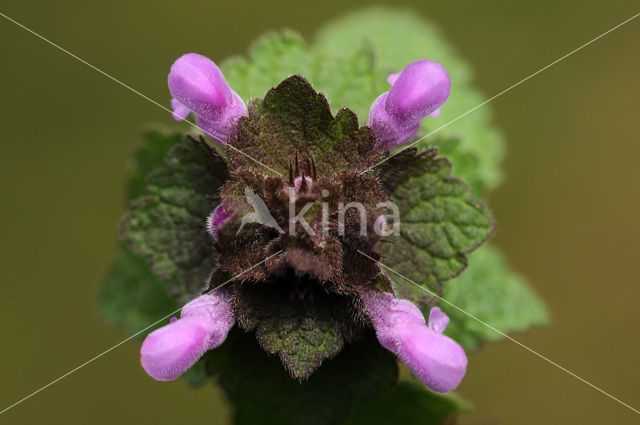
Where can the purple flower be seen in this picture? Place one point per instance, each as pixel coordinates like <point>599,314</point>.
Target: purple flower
<point>438,361</point>
<point>297,183</point>
<point>204,324</point>
<point>216,219</point>
<point>180,111</point>
<point>416,92</point>
<point>197,85</point>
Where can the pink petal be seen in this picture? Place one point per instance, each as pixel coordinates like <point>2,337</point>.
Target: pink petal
<point>197,84</point>
<point>180,111</point>
<point>422,87</point>
<point>392,78</point>
<point>417,92</point>
<point>297,182</point>
<point>438,320</point>
<point>168,352</point>
<point>218,217</point>
<point>438,361</point>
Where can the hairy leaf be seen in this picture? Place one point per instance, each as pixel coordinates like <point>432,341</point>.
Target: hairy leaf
<point>149,157</point>
<point>349,81</point>
<point>262,392</point>
<point>490,291</point>
<point>271,59</point>
<point>349,63</point>
<point>132,296</point>
<point>304,327</point>
<point>399,37</point>
<point>294,120</point>
<point>440,222</point>
<point>168,226</point>
<point>409,403</point>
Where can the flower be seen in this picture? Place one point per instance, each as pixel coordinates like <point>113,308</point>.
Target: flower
<point>197,85</point>
<point>437,360</point>
<point>217,218</point>
<point>203,325</point>
<point>292,234</point>
<point>417,92</point>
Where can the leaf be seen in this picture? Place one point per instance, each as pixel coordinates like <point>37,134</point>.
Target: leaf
<point>193,174</point>
<point>168,227</point>
<point>293,120</point>
<point>351,81</point>
<point>490,291</point>
<point>349,63</point>
<point>149,157</point>
<point>399,37</point>
<point>131,295</point>
<point>262,393</point>
<point>408,403</point>
<point>272,58</point>
<point>440,222</point>
<point>302,329</point>
<point>348,81</point>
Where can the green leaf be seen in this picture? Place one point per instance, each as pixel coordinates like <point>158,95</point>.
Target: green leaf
<point>263,393</point>
<point>351,81</point>
<point>349,63</point>
<point>294,119</point>
<point>490,291</point>
<point>440,222</point>
<point>131,295</point>
<point>149,157</point>
<point>399,37</point>
<point>303,331</point>
<point>409,403</point>
<point>272,58</point>
<point>348,81</point>
<point>168,227</point>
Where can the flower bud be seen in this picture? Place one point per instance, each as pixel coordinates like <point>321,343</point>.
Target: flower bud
<point>297,183</point>
<point>197,85</point>
<point>416,92</point>
<point>421,88</point>
<point>204,323</point>
<point>216,219</point>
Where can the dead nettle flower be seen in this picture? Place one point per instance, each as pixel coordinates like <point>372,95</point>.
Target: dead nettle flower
<point>315,287</point>
<point>204,324</point>
<point>416,92</point>
<point>435,359</point>
<point>217,218</point>
<point>198,86</point>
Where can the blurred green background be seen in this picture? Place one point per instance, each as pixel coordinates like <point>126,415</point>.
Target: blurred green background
<point>568,211</point>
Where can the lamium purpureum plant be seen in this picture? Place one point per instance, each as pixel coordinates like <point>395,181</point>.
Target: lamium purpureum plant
<point>323,262</point>
<point>270,226</point>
